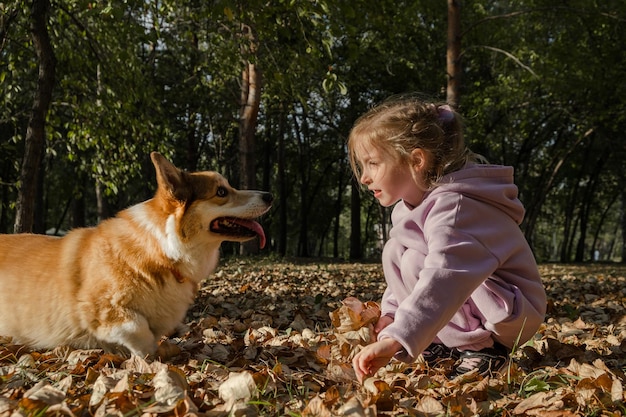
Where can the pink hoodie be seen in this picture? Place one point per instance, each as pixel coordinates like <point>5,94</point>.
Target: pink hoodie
<point>458,268</point>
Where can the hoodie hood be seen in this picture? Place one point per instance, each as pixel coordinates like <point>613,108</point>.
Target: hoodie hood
<point>491,184</point>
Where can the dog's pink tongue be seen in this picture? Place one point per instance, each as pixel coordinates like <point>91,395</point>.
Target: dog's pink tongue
<point>256,228</point>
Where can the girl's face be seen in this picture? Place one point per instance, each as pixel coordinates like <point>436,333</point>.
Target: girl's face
<point>389,179</point>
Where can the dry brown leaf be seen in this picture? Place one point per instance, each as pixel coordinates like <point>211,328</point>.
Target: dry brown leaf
<point>371,314</point>
<point>354,314</point>
<point>123,383</point>
<point>169,386</point>
<point>316,408</point>
<point>332,396</point>
<point>340,372</point>
<point>239,386</point>
<point>353,408</point>
<point>167,351</point>
<point>429,407</point>
<point>324,353</point>
<point>6,406</point>
<point>381,394</point>
<point>585,370</point>
<point>101,387</point>
<point>45,393</point>
<point>540,401</point>
<point>617,391</point>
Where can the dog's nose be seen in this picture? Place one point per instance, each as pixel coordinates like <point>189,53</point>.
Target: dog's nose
<point>268,197</point>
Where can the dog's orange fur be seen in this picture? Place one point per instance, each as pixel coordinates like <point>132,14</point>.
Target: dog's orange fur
<point>130,280</point>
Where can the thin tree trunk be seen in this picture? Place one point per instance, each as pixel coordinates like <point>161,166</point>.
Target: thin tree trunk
<point>303,237</point>
<point>569,227</point>
<point>453,53</point>
<point>588,204</point>
<point>623,225</point>
<point>603,217</point>
<point>282,184</point>
<point>78,206</point>
<point>355,221</point>
<point>303,152</point>
<point>549,177</point>
<point>35,134</point>
<point>4,219</point>
<point>338,206</point>
<point>102,205</point>
<point>192,131</point>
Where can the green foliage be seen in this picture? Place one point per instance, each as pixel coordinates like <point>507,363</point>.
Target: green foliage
<point>541,91</point>
<point>545,102</point>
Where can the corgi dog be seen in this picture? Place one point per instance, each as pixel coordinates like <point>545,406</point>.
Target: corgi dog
<point>129,281</point>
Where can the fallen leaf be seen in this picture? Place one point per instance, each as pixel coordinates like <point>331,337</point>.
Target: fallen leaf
<point>239,386</point>
<point>353,408</point>
<point>46,393</point>
<point>316,408</point>
<point>429,407</point>
<point>169,386</point>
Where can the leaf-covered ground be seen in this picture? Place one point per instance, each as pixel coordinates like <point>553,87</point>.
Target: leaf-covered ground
<point>260,341</point>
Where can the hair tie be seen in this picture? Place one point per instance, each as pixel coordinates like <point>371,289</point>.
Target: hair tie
<point>445,113</point>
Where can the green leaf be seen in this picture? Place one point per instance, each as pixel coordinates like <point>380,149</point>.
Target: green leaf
<point>536,385</point>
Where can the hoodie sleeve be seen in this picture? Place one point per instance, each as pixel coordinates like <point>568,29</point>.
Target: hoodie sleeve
<point>389,304</point>
<point>456,262</point>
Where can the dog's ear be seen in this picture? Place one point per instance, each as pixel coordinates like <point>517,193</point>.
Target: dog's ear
<point>170,179</point>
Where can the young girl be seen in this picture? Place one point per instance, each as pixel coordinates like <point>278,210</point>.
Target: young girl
<point>462,281</point>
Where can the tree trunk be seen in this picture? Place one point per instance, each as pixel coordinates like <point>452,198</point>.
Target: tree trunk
<point>79,206</point>
<point>338,206</point>
<point>623,225</point>
<point>549,177</point>
<point>453,53</point>
<point>303,158</point>
<point>282,183</point>
<point>103,209</point>
<point>249,111</point>
<point>355,221</point>
<point>35,140</point>
<point>588,204</point>
<point>192,120</point>
<point>250,102</point>
<point>601,221</point>
<point>569,227</point>
<point>40,206</point>
<point>4,218</point>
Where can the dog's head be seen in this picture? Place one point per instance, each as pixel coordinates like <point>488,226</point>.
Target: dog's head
<point>206,208</point>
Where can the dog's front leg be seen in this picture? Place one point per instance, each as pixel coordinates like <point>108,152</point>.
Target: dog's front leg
<point>134,334</point>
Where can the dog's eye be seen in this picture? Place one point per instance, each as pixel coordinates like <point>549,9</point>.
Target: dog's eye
<point>221,192</point>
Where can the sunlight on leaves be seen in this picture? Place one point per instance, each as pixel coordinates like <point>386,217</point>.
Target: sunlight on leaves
<point>267,339</point>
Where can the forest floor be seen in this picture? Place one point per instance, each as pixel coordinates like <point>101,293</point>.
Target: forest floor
<point>259,341</point>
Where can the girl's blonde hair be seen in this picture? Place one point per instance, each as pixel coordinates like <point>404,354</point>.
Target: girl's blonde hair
<point>404,123</point>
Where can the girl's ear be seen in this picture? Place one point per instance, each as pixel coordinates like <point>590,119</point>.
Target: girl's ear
<point>419,159</point>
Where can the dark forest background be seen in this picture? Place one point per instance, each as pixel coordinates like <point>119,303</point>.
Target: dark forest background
<point>266,93</point>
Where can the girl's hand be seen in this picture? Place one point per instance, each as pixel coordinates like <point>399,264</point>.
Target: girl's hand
<point>382,322</point>
<point>373,357</point>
